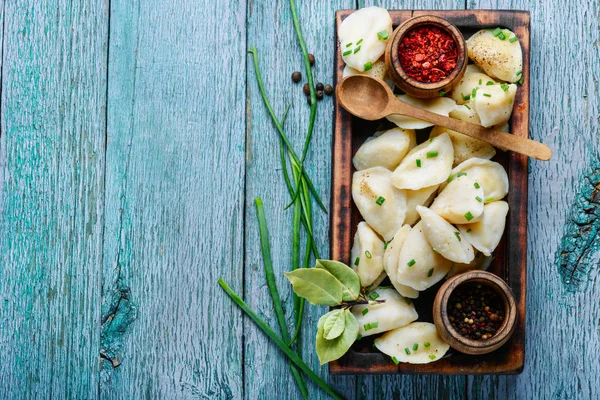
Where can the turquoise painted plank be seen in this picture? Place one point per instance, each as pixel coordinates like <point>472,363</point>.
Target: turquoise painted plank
<point>270,29</point>
<point>562,322</point>
<point>51,185</point>
<point>174,200</point>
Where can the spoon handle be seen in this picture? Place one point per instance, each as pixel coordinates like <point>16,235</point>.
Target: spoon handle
<point>499,139</point>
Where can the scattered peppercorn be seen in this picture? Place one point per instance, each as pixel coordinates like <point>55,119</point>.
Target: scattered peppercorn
<point>476,311</point>
<point>320,86</point>
<point>311,59</point>
<point>328,90</point>
<point>319,94</point>
<point>306,89</point>
<point>296,76</point>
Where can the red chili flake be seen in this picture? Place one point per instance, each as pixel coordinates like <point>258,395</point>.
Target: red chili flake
<point>428,54</point>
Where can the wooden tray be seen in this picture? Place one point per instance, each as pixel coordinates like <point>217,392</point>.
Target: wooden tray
<point>511,255</point>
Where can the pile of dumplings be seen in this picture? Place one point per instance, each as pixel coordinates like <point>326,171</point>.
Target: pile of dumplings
<point>434,209</point>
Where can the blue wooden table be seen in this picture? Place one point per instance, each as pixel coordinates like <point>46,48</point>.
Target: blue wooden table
<point>133,142</point>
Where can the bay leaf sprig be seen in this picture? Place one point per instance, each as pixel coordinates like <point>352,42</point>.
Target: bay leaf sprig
<point>334,284</point>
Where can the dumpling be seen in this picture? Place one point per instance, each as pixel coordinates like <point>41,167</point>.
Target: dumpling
<point>381,204</point>
<point>480,261</point>
<point>490,175</point>
<point>367,254</point>
<point>464,146</point>
<point>401,342</point>
<point>472,79</point>
<point>419,266</point>
<point>438,105</point>
<point>419,197</point>
<point>361,43</point>
<point>444,238</point>
<point>379,70</point>
<point>377,280</point>
<point>385,149</point>
<point>501,59</point>
<point>466,113</point>
<point>427,164</point>
<point>382,317</point>
<point>461,201</point>
<point>486,234</point>
<point>390,262</point>
<point>494,104</point>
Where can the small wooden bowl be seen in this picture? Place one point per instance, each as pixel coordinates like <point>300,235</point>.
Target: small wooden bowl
<point>411,86</point>
<point>454,338</point>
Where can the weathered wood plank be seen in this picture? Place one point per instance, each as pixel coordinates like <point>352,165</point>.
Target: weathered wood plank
<point>51,185</point>
<point>562,323</point>
<point>270,29</point>
<point>174,198</point>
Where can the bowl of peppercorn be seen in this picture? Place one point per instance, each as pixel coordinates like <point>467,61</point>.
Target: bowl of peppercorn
<point>426,56</point>
<point>475,312</point>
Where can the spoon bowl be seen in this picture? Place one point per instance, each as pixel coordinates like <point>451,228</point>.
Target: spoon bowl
<point>372,99</point>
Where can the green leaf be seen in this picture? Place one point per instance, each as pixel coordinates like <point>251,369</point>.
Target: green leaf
<point>347,276</point>
<point>329,350</point>
<point>316,285</point>
<point>334,324</point>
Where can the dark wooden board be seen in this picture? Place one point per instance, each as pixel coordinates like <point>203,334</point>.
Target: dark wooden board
<point>510,261</point>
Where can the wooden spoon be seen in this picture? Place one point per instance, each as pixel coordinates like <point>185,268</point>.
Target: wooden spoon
<point>372,99</point>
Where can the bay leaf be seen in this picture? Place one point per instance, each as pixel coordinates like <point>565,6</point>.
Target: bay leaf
<point>316,285</point>
<point>334,324</point>
<point>347,276</point>
<point>329,350</point>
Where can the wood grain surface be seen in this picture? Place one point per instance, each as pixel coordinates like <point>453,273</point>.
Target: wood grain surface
<point>132,142</point>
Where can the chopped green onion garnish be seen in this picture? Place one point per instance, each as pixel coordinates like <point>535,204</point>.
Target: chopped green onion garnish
<point>473,92</point>
<point>434,250</point>
<point>418,163</point>
<point>476,185</point>
<point>385,245</point>
<point>487,95</point>
<point>461,174</point>
<point>368,254</point>
<point>383,35</point>
<point>520,81</point>
<point>407,350</point>
<point>374,325</point>
<point>411,263</point>
<point>380,200</point>
<point>365,311</point>
<point>431,140</point>
<point>478,199</point>
<point>468,108</point>
<point>426,344</point>
<point>415,346</point>
<point>349,44</point>
<point>357,49</point>
<point>466,97</point>
<point>359,42</point>
<point>368,66</point>
<point>367,327</point>
<point>469,216</point>
<point>395,360</point>
<point>347,53</point>
<point>407,300</point>
<point>442,92</point>
<point>373,295</point>
<point>504,87</point>
<point>519,72</point>
<point>480,81</point>
<point>496,32</point>
<point>513,39</point>
<point>358,337</point>
<point>501,36</point>
<point>489,83</point>
<point>458,236</point>
<point>432,356</point>
<point>468,230</point>
<point>431,154</point>
<point>356,261</point>
<point>430,272</point>
<point>488,199</point>
<point>450,178</point>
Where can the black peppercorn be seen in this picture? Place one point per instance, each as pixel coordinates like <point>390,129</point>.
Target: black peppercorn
<point>320,86</point>
<point>311,59</point>
<point>306,89</point>
<point>319,94</point>
<point>328,90</point>
<point>296,76</point>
